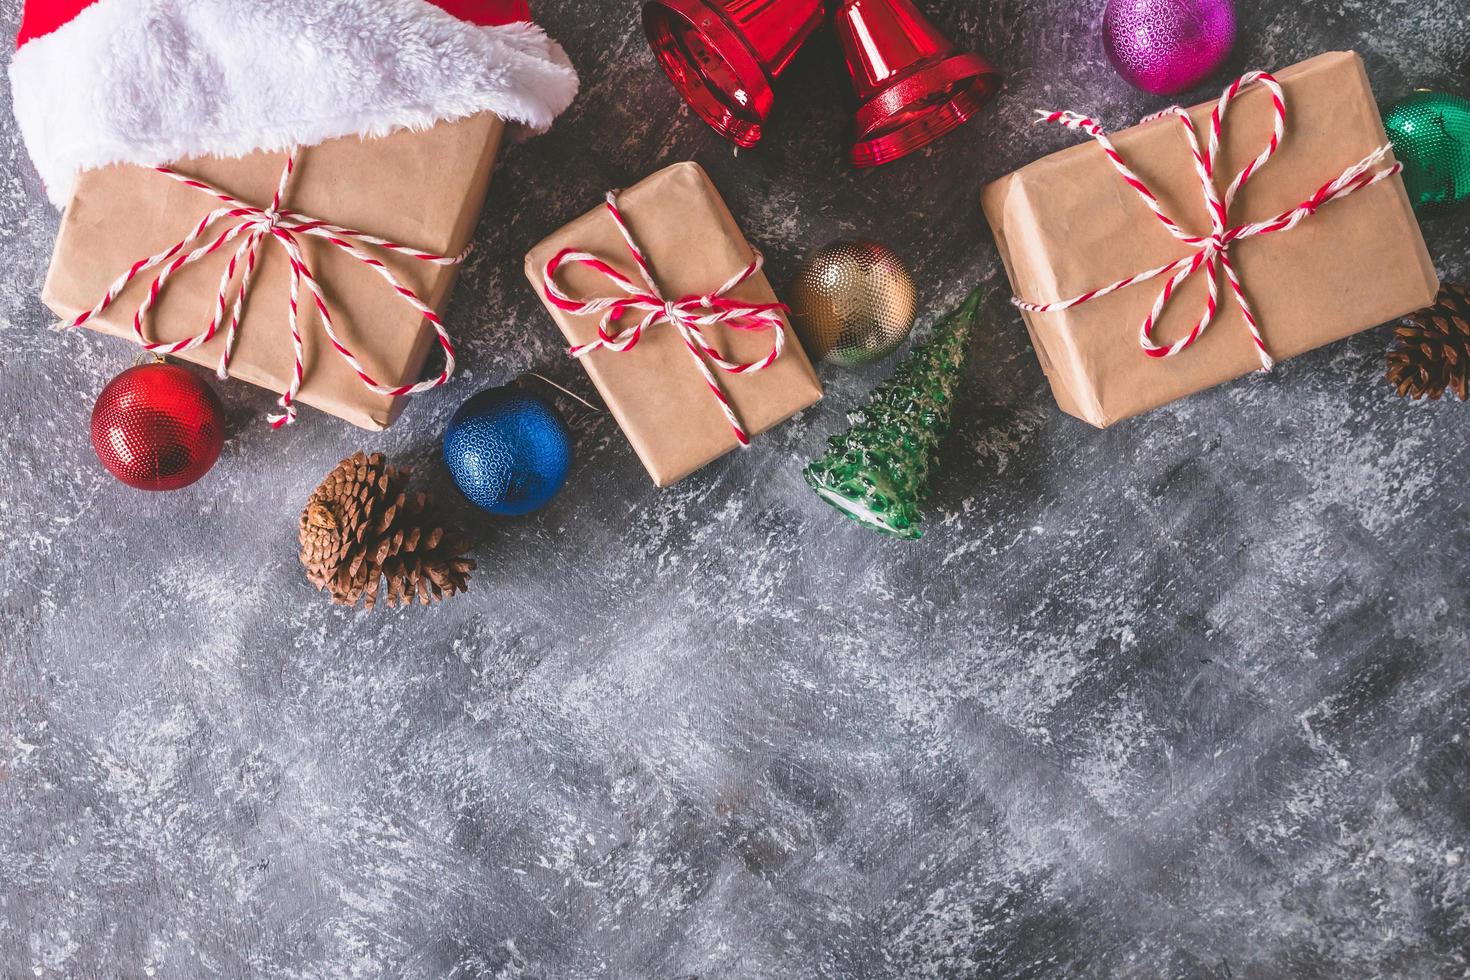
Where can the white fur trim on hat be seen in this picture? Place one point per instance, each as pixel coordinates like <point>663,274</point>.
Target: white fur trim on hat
<point>151,81</point>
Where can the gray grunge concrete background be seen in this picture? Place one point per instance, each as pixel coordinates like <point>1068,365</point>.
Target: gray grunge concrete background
<point>1187,698</point>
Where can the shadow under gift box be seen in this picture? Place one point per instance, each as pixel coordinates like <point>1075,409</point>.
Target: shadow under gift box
<point>422,188</point>
<point>654,390</point>
<point>1067,224</point>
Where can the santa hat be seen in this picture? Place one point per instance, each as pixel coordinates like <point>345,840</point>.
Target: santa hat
<point>150,81</point>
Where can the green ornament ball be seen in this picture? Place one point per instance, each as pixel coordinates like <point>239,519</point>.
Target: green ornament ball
<point>1430,132</point>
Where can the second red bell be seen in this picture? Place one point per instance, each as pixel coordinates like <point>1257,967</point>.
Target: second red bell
<point>912,83</point>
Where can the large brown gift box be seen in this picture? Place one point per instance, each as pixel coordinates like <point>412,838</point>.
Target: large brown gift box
<point>1067,224</point>
<point>421,188</point>
<point>654,389</point>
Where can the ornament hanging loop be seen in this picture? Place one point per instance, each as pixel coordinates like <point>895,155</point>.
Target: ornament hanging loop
<point>561,388</point>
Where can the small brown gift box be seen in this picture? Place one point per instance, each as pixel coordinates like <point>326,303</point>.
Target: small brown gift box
<point>655,392</point>
<point>1067,224</point>
<point>421,188</point>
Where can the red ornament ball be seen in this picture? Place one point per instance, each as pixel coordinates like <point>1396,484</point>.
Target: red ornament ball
<point>158,427</point>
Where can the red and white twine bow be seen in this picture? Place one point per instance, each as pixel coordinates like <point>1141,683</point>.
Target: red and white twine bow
<point>689,315</point>
<point>286,227</point>
<point>1212,250</point>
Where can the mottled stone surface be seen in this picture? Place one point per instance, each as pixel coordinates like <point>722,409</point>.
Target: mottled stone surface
<point>1187,698</point>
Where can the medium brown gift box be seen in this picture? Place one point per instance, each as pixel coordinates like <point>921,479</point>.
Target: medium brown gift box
<point>1067,224</point>
<point>654,390</point>
<point>421,188</point>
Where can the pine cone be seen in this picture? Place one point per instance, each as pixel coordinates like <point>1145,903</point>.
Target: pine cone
<point>1432,352</point>
<point>362,525</point>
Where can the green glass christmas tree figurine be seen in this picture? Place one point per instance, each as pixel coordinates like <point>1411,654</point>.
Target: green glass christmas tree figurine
<point>877,472</point>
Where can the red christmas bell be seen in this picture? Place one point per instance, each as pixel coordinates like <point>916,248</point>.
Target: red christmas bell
<point>913,85</point>
<point>157,427</point>
<point>723,55</point>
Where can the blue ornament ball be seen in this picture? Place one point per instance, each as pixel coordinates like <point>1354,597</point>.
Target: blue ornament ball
<point>508,451</point>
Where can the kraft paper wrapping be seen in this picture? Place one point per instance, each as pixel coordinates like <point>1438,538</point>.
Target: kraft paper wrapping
<point>654,391</point>
<point>419,188</point>
<point>1067,224</point>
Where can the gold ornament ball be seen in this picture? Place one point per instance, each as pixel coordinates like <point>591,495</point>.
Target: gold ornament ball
<point>853,302</point>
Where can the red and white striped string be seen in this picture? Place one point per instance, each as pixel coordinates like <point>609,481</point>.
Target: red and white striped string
<point>1211,252</point>
<point>690,315</point>
<point>256,225</point>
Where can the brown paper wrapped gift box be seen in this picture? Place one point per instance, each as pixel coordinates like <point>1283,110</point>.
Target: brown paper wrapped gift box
<point>654,390</point>
<point>1067,224</point>
<point>421,188</point>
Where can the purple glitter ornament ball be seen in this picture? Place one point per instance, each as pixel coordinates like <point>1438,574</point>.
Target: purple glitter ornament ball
<point>1167,46</point>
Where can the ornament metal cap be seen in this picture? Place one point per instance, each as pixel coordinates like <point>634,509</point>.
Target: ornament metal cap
<point>723,55</point>
<point>913,85</point>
